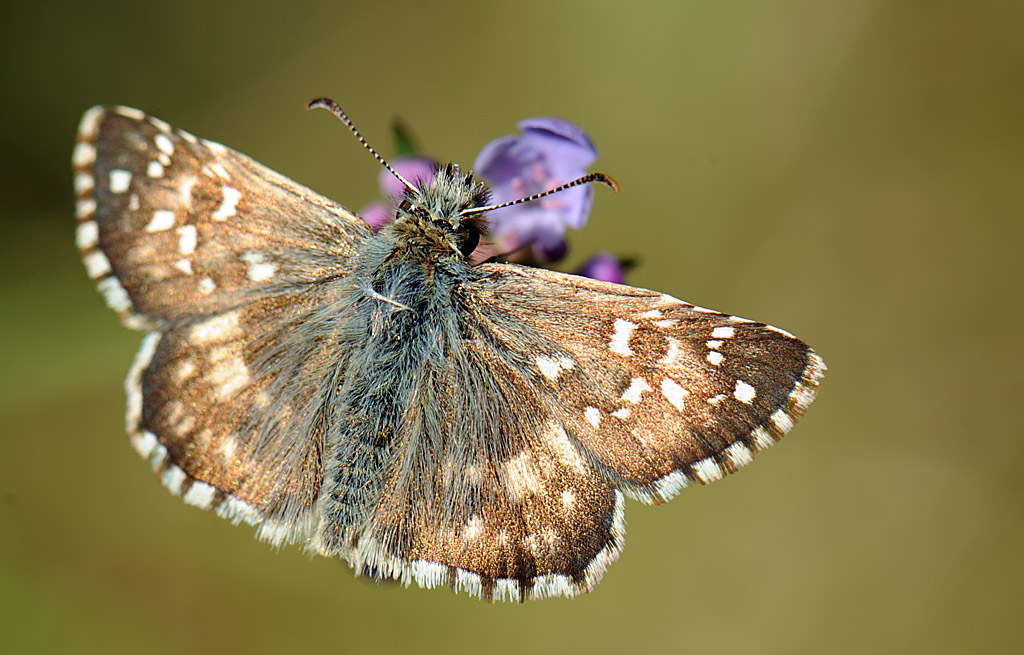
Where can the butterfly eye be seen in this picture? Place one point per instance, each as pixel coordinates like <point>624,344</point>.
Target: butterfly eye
<point>469,238</point>
<point>405,206</point>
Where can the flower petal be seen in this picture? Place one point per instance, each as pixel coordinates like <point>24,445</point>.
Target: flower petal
<point>377,214</point>
<point>418,170</point>
<point>605,267</point>
<point>497,162</point>
<point>549,153</point>
<point>565,145</point>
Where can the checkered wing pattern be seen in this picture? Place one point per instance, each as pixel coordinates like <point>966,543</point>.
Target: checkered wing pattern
<point>483,490</point>
<point>173,227</point>
<point>380,398</point>
<point>228,263</point>
<point>654,392</point>
<point>557,396</point>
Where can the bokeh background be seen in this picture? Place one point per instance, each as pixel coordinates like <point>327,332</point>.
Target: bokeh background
<point>851,171</point>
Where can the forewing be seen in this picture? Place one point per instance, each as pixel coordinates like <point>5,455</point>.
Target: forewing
<point>656,392</point>
<point>173,227</point>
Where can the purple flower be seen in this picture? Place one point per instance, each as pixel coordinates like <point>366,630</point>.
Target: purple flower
<point>377,214</point>
<point>550,152</point>
<point>418,170</point>
<point>605,267</point>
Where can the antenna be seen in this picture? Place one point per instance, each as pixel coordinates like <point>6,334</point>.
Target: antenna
<point>586,179</point>
<point>331,106</point>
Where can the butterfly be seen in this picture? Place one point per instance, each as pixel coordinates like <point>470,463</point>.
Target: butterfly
<point>387,399</point>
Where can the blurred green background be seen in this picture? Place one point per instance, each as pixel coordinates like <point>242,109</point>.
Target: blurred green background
<point>851,171</point>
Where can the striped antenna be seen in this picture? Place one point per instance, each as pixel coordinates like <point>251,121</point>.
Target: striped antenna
<point>586,179</point>
<point>331,106</point>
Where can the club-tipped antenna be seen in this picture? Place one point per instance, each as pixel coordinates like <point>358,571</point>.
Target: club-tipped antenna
<point>586,179</point>
<point>331,106</point>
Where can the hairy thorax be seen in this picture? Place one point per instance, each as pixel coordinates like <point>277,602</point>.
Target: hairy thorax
<point>408,308</point>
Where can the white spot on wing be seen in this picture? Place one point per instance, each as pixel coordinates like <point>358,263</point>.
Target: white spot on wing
<point>228,205</point>
<point>207,285</point>
<point>186,190</point>
<point>707,470</point>
<point>87,235</point>
<point>636,387</point>
<point>215,147</point>
<point>558,441</point>
<point>227,447</point>
<point>163,219</point>
<point>671,484</point>
<point>84,183</point>
<point>187,239</point>
<point>715,358</point>
<point>218,328</point>
<point>130,112</point>
<point>219,169</point>
<point>145,443</point>
<point>261,272</point>
<point>520,476</point>
<point>200,495</point>
<point>96,264</point>
<point>120,180</point>
<point>620,338</point>
<point>552,368</point>
<point>744,392</point>
<point>474,528</point>
<point>568,499</point>
<point>90,123</point>
<point>674,393</point>
<point>172,479</point>
<point>163,144</point>
<point>236,510</point>
<point>229,377</point>
<point>155,169</point>
<point>672,353</point>
<point>159,124</point>
<point>548,367</point>
<point>84,155</point>
<point>184,371</point>
<point>133,383</point>
<point>184,265</point>
<point>652,313</point>
<point>782,422</point>
<point>259,269</point>
<point>159,456</point>
<point>713,344</point>
<point>622,413</point>
<point>85,208</point>
<point>723,332</point>
<point>115,295</point>
<point>762,438</point>
<point>781,331</point>
<point>593,415</point>
<point>739,454</point>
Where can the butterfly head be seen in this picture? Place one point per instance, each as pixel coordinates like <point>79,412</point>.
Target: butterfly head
<point>436,211</point>
<point>446,215</point>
